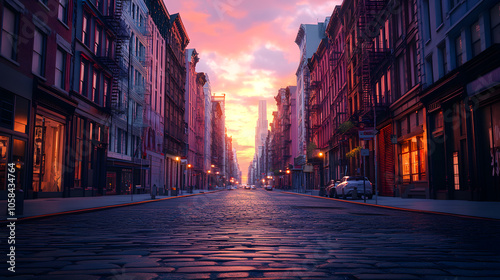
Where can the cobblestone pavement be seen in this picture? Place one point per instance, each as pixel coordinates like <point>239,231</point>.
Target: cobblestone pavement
<point>255,234</point>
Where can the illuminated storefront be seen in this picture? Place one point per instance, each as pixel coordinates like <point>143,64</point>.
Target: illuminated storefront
<point>14,116</point>
<point>49,146</point>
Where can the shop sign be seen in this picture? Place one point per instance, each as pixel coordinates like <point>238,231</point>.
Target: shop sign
<point>367,134</point>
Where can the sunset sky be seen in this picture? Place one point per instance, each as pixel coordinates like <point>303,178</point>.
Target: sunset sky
<point>248,50</point>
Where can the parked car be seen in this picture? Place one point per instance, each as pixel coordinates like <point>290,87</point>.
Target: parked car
<point>247,187</point>
<point>268,188</point>
<point>330,190</point>
<point>252,187</point>
<point>346,187</point>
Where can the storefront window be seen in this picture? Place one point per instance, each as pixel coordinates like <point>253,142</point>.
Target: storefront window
<point>412,160</point>
<point>48,155</point>
<point>4,155</point>
<point>18,153</point>
<point>78,152</point>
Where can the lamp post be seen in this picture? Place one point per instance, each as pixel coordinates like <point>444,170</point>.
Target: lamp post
<point>188,178</point>
<point>322,191</point>
<point>178,160</point>
<point>289,181</point>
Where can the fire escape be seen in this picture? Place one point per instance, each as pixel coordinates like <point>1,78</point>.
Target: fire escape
<point>115,62</point>
<point>314,117</point>
<point>369,10</point>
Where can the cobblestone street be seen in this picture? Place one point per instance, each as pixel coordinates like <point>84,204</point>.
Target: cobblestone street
<point>256,234</point>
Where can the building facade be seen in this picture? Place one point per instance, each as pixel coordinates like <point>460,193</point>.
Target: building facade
<point>461,97</point>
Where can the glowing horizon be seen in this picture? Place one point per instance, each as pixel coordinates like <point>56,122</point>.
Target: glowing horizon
<point>248,51</point>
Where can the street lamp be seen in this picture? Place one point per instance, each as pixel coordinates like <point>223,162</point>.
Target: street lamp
<point>188,178</point>
<point>288,180</point>
<point>322,190</point>
<point>178,160</point>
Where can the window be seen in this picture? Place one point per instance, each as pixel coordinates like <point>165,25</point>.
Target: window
<point>443,63</point>
<point>458,51</point>
<point>426,21</point>
<point>495,24</point>
<point>413,64</point>
<point>63,11</point>
<point>38,62</point>
<point>439,12</point>
<point>84,72</point>
<point>429,68</point>
<point>456,176</point>
<point>95,87</point>
<point>97,40</point>
<point>413,160</point>
<point>9,34</point>
<point>475,32</point>
<point>108,47</point>
<point>85,30</point>
<point>402,76</point>
<point>438,121</point>
<point>107,84</point>
<point>79,129</point>
<point>453,3</point>
<point>60,69</point>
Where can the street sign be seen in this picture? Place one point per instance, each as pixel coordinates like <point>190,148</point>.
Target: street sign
<point>308,168</point>
<point>364,152</point>
<point>367,134</point>
<point>394,139</point>
<point>300,160</point>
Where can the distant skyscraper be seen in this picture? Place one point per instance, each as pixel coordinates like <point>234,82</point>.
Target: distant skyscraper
<point>261,129</point>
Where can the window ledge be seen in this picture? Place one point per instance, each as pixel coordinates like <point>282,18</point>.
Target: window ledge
<point>44,5</point>
<point>40,77</point>
<point>63,23</point>
<point>11,60</point>
<point>440,27</point>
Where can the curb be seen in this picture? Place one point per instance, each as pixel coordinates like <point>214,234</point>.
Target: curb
<point>398,208</point>
<point>86,210</point>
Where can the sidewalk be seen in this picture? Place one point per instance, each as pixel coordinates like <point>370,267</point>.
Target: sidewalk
<point>481,209</point>
<point>51,206</point>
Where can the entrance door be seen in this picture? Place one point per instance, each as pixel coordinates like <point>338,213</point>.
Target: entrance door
<point>48,155</point>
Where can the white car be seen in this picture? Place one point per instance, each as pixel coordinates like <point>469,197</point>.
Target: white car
<point>252,187</point>
<point>268,188</point>
<point>349,183</point>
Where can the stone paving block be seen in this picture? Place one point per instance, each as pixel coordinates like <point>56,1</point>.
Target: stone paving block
<point>233,275</point>
<point>476,273</point>
<point>417,271</point>
<point>134,276</point>
<point>158,270</point>
<point>296,274</point>
<point>386,277</point>
<point>214,269</point>
<point>45,264</point>
<point>143,263</point>
<point>222,259</point>
<point>66,277</point>
<point>41,270</point>
<point>190,263</point>
<point>90,266</point>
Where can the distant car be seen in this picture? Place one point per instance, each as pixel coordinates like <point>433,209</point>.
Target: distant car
<point>330,190</point>
<point>349,183</point>
<point>268,188</point>
<point>247,187</point>
<point>252,187</point>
